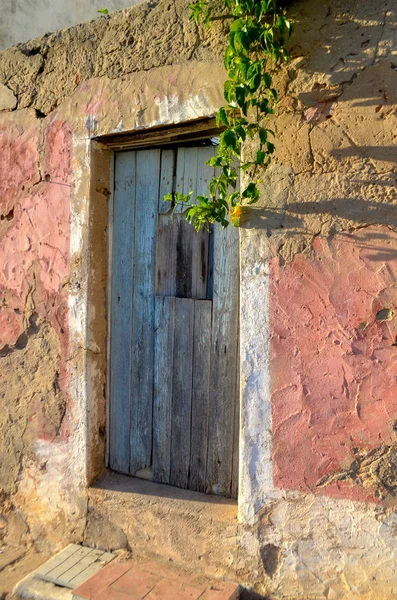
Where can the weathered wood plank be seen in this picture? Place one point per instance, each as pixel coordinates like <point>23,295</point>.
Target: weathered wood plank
<point>200,394</point>
<point>142,363</point>
<point>199,271</point>
<point>182,392</point>
<point>83,563</point>
<point>200,241</point>
<point>57,560</point>
<point>157,137</point>
<point>102,559</point>
<point>180,175</point>
<point>56,574</point>
<point>190,170</point>
<point>166,179</point>
<point>184,257</point>
<point>204,172</point>
<point>163,374</point>
<point>210,275</point>
<point>223,361</point>
<point>167,233</point>
<point>121,295</point>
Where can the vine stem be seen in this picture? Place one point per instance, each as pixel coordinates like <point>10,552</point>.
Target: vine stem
<point>257,33</point>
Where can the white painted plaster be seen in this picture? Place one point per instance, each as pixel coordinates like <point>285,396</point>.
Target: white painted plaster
<point>256,473</point>
<point>78,305</point>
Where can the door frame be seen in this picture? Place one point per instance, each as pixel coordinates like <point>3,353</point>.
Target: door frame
<point>256,488</point>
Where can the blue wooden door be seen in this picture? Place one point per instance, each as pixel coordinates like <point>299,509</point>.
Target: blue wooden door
<point>174,410</point>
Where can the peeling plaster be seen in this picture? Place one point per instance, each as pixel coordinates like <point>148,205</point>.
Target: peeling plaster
<point>333,180</point>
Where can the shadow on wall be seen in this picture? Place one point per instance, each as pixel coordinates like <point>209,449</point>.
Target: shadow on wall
<point>335,41</point>
<point>355,211</point>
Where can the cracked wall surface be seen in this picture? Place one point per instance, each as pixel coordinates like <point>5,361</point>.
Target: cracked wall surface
<point>318,278</point>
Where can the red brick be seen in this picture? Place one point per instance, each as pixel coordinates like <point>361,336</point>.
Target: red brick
<point>111,594</point>
<point>169,589</point>
<point>101,580</point>
<point>137,583</point>
<point>222,590</point>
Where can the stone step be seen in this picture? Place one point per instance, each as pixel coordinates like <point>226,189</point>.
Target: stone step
<point>195,531</point>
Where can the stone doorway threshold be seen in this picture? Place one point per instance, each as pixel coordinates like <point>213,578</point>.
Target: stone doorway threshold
<point>192,530</point>
<point>125,580</point>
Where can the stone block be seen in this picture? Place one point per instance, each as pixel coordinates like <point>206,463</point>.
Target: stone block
<point>7,98</point>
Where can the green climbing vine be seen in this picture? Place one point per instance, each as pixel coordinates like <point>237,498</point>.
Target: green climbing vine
<point>257,34</point>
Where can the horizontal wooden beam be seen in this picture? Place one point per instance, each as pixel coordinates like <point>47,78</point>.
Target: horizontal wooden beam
<point>162,136</point>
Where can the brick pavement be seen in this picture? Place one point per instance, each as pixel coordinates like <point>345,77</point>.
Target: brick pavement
<point>149,580</point>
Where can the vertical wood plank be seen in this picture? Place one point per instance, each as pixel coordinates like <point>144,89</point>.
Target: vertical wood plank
<point>200,394</point>
<point>200,241</point>
<point>167,233</point>
<point>163,374</point>
<point>166,179</point>
<point>200,263</point>
<point>184,254</point>
<point>142,363</point>
<point>186,172</point>
<point>121,311</point>
<point>204,172</point>
<point>182,392</point>
<point>223,361</point>
<point>180,175</point>
<point>210,275</point>
<point>190,170</point>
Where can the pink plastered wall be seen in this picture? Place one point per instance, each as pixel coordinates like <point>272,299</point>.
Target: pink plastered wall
<point>35,182</point>
<point>333,364</point>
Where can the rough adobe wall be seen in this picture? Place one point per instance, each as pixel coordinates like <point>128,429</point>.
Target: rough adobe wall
<point>43,72</point>
<point>325,226</point>
<point>38,171</point>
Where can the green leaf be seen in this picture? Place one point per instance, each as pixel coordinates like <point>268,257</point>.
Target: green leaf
<point>229,91</point>
<point>251,193</point>
<point>230,139</point>
<point>104,11</point>
<point>263,135</point>
<point>267,79</point>
<point>234,198</point>
<point>240,95</point>
<point>270,147</point>
<point>222,117</point>
<point>260,157</point>
<point>214,161</point>
<point>241,133</point>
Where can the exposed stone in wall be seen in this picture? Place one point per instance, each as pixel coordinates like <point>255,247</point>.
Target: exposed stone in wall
<point>43,72</point>
<point>7,98</point>
<point>332,183</point>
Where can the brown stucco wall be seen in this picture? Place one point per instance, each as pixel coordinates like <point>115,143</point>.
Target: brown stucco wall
<point>325,526</point>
